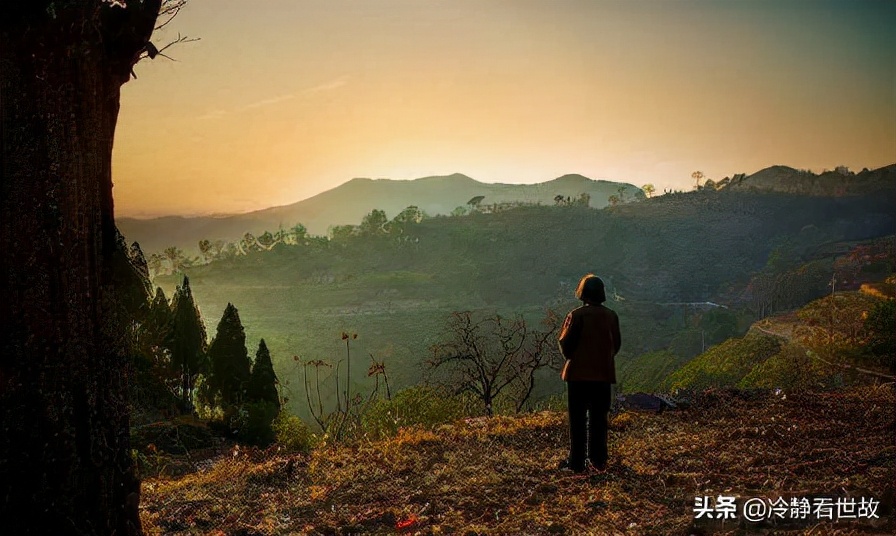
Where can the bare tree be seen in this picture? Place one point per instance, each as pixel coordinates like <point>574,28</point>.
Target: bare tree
<point>488,356</point>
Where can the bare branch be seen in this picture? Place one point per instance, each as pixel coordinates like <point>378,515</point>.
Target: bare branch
<point>169,10</point>
<point>487,355</point>
<point>151,52</point>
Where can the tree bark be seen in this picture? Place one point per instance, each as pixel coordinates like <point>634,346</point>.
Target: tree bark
<point>65,462</point>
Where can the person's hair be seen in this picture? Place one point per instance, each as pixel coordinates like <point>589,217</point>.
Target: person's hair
<point>591,290</point>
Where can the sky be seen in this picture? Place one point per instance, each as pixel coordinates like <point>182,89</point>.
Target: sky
<point>280,100</point>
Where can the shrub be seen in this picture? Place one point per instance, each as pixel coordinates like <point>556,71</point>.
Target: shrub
<point>555,402</point>
<point>256,426</point>
<point>880,326</point>
<point>292,433</point>
<point>791,368</point>
<point>419,405</point>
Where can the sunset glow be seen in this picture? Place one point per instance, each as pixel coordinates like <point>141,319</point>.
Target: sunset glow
<point>283,99</point>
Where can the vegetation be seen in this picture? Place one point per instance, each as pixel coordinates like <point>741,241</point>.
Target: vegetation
<point>395,289</point>
<point>263,381</point>
<point>292,434</point>
<point>648,372</point>
<point>229,368</point>
<point>388,279</point>
<point>880,328</point>
<point>491,356</point>
<point>420,405</point>
<point>793,369</point>
<point>828,343</point>
<point>724,365</point>
<point>188,346</point>
<point>499,475</point>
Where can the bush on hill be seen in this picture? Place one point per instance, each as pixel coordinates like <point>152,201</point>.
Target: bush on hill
<point>292,433</point>
<point>419,405</point>
<point>792,368</point>
<point>726,364</point>
<point>648,372</point>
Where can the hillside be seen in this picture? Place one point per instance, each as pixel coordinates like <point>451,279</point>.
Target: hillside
<point>828,183</point>
<point>821,345</point>
<point>397,294</point>
<point>349,202</point>
<point>498,476</point>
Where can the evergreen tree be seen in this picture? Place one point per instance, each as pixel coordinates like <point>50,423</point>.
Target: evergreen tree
<point>138,259</point>
<point>229,364</point>
<point>262,400</point>
<point>157,330</point>
<point>154,382</point>
<point>263,381</point>
<point>130,282</point>
<point>189,340</point>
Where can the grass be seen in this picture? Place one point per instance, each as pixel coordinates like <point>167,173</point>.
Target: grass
<point>725,364</point>
<point>498,476</point>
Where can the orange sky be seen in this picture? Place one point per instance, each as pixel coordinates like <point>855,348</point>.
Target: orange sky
<point>283,99</point>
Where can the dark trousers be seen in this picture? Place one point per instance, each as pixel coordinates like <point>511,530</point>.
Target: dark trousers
<point>589,404</point>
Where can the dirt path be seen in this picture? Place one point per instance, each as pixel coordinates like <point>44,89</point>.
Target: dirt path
<point>788,336</point>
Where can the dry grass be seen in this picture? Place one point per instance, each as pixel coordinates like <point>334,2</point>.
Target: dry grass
<point>498,476</point>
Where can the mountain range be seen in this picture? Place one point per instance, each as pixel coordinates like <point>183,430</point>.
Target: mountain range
<point>350,201</point>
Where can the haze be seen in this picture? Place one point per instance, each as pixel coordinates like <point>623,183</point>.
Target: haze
<point>281,100</point>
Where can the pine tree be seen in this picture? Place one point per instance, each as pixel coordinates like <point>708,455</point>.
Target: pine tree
<point>138,260</point>
<point>229,364</point>
<point>189,341</point>
<point>130,282</point>
<point>157,329</point>
<point>154,382</point>
<point>262,401</point>
<point>263,381</point>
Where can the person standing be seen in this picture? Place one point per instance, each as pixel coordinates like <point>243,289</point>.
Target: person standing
<point>589,340</point>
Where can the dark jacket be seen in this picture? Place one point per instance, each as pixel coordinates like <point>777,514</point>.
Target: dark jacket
<point>589,341</point>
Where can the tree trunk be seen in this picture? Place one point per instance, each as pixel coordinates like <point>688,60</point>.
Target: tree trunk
<point>65,463</point>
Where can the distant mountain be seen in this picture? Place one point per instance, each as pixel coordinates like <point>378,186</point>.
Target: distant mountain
<point>834,183</point>
<point>349,202</point>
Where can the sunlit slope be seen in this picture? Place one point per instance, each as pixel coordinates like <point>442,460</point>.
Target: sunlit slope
<point>821,345</point>
<point>499,476</point>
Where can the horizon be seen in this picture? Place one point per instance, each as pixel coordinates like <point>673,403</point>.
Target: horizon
<point>149,216</point>
<point>278,103</point>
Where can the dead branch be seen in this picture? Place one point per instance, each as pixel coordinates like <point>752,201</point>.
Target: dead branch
<point>489,355</point>
<point>169,10</point>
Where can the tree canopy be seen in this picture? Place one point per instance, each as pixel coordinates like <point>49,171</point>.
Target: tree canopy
<point>189,340</point>
<point>229,367</point>
<point>263,380</point>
